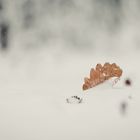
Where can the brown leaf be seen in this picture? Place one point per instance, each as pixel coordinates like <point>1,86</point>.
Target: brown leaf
<point>100,74</point>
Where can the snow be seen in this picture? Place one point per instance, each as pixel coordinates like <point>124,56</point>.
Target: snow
<point>34,90</point>
<point>47,59</point>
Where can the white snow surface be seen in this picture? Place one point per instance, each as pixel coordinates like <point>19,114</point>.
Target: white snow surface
<point>47,59</point>
<point>34,86</point>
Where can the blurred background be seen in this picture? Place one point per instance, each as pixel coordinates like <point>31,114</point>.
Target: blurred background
<point>47,47</point>
<point>40,35</point>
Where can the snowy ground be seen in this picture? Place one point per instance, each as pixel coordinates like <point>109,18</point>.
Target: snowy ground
<point>34,87</point>
<point>52,45</point>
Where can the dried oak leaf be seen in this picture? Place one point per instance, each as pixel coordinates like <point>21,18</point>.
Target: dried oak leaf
<point>100,74</point>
